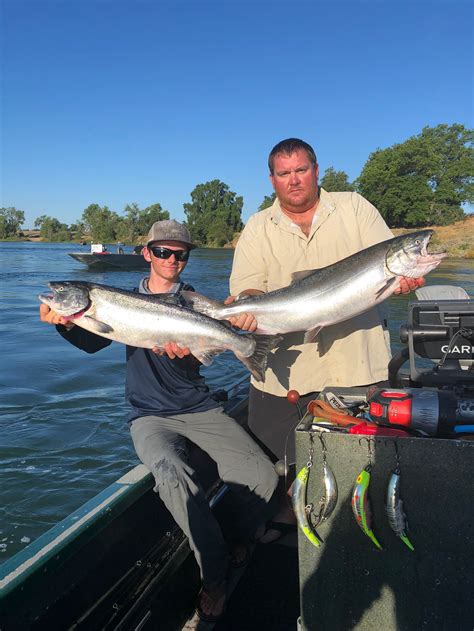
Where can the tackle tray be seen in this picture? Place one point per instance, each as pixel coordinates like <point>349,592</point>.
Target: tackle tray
<point>348,583</point>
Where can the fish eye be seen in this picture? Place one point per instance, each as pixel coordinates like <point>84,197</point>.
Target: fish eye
<point>417,241</point>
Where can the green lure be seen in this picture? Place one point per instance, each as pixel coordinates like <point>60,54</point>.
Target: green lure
<point>301,508</point>
<point>361,505</point>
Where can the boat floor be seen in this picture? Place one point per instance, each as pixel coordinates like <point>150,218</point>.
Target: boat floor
<point>266,597</point>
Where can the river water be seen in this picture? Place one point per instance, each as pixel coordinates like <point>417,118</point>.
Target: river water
<point>63,430</point>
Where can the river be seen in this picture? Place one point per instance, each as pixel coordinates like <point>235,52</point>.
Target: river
<point>64,435</point>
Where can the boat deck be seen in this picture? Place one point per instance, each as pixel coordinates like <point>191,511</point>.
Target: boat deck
<point>267,596</point>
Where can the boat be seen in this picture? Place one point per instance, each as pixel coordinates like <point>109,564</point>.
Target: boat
<point>120,562</point>
<point>100,258</point>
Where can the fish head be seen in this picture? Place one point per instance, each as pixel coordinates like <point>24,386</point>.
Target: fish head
<point>67,298</point>
<point>408,255</point>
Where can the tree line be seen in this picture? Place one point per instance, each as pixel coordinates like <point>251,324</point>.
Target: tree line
<point>422,181</point>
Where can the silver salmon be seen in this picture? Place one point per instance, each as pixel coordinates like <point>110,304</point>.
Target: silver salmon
<point>147,321</point>
<point>326,296</point>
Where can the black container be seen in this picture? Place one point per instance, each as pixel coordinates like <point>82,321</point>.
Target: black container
<point>348,583</point>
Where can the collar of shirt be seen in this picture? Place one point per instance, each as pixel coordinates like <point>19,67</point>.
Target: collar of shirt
<point>143,287</point>
<point>325,207</point>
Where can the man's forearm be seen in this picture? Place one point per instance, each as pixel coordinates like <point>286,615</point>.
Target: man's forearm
<point>85,340</point>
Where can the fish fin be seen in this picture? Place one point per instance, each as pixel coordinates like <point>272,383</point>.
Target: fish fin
<point>387,287</point>
<point>312,334</point>
<point>201,303</point>
<point>171,299</point>
<point>206,357</point>
<point>300,275</point>
<point>257,362</point>
<point>98,326</point>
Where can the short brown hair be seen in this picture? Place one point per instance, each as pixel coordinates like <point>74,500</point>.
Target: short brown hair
<point>289,146</point>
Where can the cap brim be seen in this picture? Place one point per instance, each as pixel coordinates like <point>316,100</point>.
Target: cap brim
<point>191,246</point>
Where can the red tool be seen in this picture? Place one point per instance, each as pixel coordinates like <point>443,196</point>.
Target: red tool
<point>376,430</point>
<point>427,410</point>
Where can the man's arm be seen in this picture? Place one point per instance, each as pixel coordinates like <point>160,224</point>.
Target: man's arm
<point>248,276</point>
<point>75,335</point>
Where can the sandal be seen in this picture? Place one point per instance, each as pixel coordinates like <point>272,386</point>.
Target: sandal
<point>282,528</point>
<point>245,560</point>
<point>215,596</point>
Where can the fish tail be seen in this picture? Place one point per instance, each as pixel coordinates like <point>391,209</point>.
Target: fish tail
<point>257,362</point>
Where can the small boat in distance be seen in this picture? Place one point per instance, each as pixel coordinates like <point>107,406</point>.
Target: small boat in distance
<point>100,258</point>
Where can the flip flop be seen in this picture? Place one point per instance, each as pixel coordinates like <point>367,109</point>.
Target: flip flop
<point>236,565</point>
<point>282,528</point>
<point>208,617</point>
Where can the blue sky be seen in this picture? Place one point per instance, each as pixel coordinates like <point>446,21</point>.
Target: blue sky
<point>114,102</point>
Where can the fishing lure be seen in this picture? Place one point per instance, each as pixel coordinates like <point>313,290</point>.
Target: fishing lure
<point>328,502</point>
<point>361,504</point>
<point>301,508</point>
<point>394,507</point>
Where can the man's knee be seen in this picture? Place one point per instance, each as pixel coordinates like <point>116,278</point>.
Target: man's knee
<point>269,477</point>
<point>169,472</point>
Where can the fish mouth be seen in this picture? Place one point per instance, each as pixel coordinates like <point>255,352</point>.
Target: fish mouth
<point>439,256</point>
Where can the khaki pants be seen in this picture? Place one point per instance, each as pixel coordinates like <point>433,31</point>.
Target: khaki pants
<point>160,444</point>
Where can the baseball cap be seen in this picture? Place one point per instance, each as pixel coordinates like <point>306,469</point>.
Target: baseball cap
<point>169,230</point>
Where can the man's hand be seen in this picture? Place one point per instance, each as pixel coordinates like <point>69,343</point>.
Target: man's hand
<point>407,285</point>
<point>172,350</point>
<point>51,317</point>
<point>243,321</point>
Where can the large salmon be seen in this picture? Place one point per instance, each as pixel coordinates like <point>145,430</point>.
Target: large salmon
<point>147,321</point>
<point>319,298</point>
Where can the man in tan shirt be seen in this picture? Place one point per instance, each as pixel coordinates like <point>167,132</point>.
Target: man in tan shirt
<point>308,228</point>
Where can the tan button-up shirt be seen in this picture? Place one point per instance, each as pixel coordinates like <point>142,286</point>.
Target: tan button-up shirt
<point>271,247</point>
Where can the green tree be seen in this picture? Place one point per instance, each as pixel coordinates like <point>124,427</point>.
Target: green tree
<point>101,223</point>
<point>214,214</point>
<point>51,229</point>
<point>11,220</point>
<point>148,216</point>
<point>335,181</point>
<point>267,201</point>
<point>78,228</point>
<point>424,180</point>
<point>137,222</point>
<point>127,228</point>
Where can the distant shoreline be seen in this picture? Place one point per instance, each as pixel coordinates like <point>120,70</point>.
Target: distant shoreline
<point>457,239</point>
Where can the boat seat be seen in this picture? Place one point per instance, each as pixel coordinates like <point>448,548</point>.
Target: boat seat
<point>441,292</point>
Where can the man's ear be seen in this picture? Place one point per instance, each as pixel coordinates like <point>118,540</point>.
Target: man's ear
<point>146,254</point>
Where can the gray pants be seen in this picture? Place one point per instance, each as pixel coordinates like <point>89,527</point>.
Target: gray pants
<point>160,445</point>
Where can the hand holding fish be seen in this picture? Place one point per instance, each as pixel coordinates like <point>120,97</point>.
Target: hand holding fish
<point>51,317</point>
<point>243,321</point>
<point>407,285</point>
<point>173,350</point>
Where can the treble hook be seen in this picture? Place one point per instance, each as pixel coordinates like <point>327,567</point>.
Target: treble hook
<point>323,446</point>
<point>369,446</point>
<point>397,456</point>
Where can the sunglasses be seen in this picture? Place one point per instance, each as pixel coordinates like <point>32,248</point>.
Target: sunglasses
<point>164,253</point>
